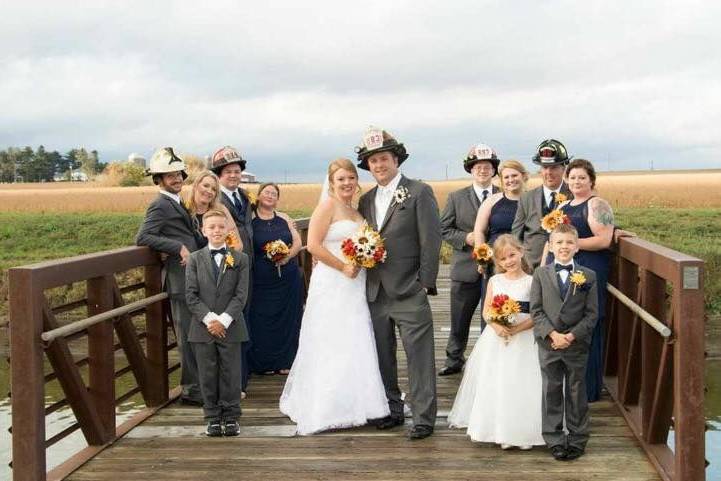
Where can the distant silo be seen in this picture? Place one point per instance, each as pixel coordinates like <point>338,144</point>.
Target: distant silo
<point>137,159</point>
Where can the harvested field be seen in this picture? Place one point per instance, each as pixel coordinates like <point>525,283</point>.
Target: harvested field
<point>686,189</point>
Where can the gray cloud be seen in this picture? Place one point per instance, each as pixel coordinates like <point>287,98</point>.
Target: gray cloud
<point>293,84</point>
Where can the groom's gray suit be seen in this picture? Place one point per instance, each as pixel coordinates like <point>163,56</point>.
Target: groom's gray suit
<point>396,295</point>
<point>577,313</point>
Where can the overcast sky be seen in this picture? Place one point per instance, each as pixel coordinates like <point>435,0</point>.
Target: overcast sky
<point>293,84</point>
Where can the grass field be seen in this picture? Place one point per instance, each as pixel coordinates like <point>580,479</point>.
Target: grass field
<point>28,237</point>
<point>651,190</point>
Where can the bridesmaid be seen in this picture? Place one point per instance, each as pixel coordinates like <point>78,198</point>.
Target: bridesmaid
<point>495,217</point>
<point>592,217</point>
<point>276,305</point>
<point>205,195</point>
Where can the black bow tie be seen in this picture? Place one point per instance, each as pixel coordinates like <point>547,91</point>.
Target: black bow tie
<point>215,252</point>
<point>560,268</point>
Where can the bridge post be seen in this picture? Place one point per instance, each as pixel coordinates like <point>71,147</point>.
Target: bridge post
<point>27,384</point>
<point>156,341</point>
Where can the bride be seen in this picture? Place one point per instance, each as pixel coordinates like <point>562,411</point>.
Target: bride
<point>335,381</point>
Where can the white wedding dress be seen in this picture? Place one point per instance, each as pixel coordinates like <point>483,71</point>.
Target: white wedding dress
<point>335,381</point>
<point>499,399</point>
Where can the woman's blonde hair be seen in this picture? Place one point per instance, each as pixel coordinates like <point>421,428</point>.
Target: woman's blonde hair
<point>515,165</point>
<point>335,166</point>
<point>501,245</point>
<point>215,203</point>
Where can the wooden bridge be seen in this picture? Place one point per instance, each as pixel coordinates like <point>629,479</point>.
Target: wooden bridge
<point>654,373</point>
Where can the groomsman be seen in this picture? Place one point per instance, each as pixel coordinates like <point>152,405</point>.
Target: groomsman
<point>552,157</point>
<point>457,221</point>
<point>168,228</point>
<point>228,165</point>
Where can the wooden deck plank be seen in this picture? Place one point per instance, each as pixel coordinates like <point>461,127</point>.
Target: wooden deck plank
<point>171,444</point>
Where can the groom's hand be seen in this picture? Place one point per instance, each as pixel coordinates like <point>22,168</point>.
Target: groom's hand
<point>431,291</point>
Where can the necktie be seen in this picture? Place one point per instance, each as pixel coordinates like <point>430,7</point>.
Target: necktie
<point>553,201</point>
<point>236,200</point>
<point>484,196</point>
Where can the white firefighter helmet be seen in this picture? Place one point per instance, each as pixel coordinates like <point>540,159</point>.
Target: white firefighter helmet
<point>164,161</point>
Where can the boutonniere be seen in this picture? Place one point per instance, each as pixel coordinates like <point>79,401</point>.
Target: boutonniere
<point>578,279</point>
<point>229,262</point>
<point>560,197</point>
<point>400,195</point>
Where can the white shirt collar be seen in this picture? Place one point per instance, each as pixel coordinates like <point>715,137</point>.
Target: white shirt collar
<point>479,190</point>
<point>392,185</point>
<point>175,197</point>
<point>547,191</point>
<point>228,192</point>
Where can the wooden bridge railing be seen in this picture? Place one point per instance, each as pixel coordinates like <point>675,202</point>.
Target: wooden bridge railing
<point>654,366</point>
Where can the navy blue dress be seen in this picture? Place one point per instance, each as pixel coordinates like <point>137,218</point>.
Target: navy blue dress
<point>276,305</point>
<point>599,262</point>
<point>501,219</point>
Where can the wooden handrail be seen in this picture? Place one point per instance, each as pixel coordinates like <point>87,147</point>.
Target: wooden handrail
<point>77,326</point>
<point>659,326</point>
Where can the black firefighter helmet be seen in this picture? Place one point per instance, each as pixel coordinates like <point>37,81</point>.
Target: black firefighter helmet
<point>377,140</point>
<point>551,152</point>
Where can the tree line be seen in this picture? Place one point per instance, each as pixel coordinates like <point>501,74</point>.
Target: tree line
<point>27,165</point>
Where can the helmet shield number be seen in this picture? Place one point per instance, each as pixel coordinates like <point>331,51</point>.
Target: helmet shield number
<point>373,139</point>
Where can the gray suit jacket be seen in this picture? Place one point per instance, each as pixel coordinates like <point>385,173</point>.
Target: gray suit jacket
<point>577,313</point>
<point>527,224</point>
<point>228,294</point>
<point>457,220</point>
<point>166,228</point>
<point>242,220</point>
<point>412,234</point>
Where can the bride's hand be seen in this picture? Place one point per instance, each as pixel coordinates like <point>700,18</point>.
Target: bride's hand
<point>350,270</point>
<point>501,331</point>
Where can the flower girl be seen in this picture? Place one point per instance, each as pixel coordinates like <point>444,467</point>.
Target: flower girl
<point>499,399</point>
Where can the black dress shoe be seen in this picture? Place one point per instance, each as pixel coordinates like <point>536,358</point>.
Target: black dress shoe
<point>447,371</point>
<point>420,431</point>
<point>214,429</point>
<point>573,453</point>
<point>559,452</point>
<point>231,428</point>
<point>390,422</point>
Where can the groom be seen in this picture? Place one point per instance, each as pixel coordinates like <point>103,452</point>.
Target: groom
<point>405,213</point>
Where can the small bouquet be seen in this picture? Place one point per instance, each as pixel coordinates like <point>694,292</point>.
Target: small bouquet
<point>276,251</point>
<point>553,219</point>
<point>578,279</point>
<point>229,262</point>
<point>482,254</point>
<point>365,248</point>
<point>504,310</point>
<point>232,241</point>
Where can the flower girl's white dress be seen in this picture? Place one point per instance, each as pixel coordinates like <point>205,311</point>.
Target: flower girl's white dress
<point>335,381</point>
<point>499,399</point>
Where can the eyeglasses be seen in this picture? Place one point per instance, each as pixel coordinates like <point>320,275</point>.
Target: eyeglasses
<point>269,193</point>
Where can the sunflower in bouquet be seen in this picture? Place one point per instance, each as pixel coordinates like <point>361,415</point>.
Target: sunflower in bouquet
<point>482,254</point>
<point>365,248</point>
<point>553,219</point>
<point>276,251</point>
<point>503,310</point>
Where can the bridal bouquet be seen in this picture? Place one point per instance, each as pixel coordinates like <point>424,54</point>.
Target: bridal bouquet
<point>553,219</point>
<point>504,310</point>
<point>482,255</point>
<point>276,251</point>
<point>365,248</point>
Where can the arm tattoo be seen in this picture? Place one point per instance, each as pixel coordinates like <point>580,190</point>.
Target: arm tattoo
<point>602,212</point>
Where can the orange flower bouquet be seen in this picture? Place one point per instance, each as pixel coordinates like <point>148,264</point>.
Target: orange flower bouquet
<point>504,310</point>
<point>365,248</point>
<point>553,219</point>
<point>232,241</point>
<point>276,251</point>
<point>482,254</point>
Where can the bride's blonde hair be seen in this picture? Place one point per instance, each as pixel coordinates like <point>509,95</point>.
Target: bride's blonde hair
<point>335,166</point>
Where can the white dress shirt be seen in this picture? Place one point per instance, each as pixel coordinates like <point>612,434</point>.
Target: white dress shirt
<point>224,318</point>
<point>230,193</point>
<point>547,193</point>
<point>480,190</point>
<point>175,197</point>
<point>384,196</point>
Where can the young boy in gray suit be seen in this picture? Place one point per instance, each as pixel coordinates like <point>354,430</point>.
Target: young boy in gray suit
<point>564,307</point>
<point>216,288</point>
